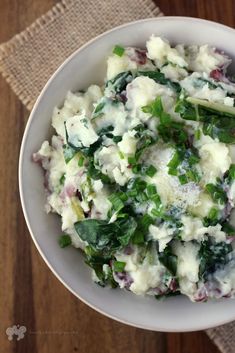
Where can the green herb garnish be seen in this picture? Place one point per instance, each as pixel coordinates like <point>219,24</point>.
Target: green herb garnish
<point>116,201</point>
<point>151,171</point>
<point>174,163</point>
<point>62,179</point>
<point>104,236</point>
<point>68,152</point>
<point>81,161</point>
<point>119,266</point>
<point>231,172</point>
<point>118,50</point>
<point>212,255</point>
<point>65,240</point>
<point>169,260</point>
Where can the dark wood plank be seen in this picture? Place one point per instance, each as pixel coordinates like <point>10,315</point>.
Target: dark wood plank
<point>214,10</point>
<point>56,321</point>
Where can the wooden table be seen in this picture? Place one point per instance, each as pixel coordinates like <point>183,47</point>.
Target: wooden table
<point>30,294</point>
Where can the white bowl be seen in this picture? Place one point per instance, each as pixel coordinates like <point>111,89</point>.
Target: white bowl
<point>84,67</point>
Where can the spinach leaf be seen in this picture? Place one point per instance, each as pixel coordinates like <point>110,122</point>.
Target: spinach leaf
<point>200,82</point>
<point>217,123</point>
<point>96,261</point>
<point>169,260</point>
<point>186,110</point>
<point>104,236</point>
<point>119,82</point>
<point>173,132</point>
<point>228,228</point>
<point>159,77</point>
<point>96,174</point>
<point>213,107</point>
<point>231,172</point>
<point>70,149</point>
<point>68,152</point>
<point>143,223</point>
<point>212,256</point>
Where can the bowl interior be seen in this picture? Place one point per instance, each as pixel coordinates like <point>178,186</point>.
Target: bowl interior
<point>83,68</point>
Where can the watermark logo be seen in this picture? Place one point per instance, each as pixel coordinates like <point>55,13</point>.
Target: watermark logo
<point>16,330</point>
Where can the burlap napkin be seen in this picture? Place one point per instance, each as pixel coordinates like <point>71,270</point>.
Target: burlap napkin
<point>29,58</point>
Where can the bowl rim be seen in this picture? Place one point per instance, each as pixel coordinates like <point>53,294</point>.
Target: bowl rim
<point>21,158</point>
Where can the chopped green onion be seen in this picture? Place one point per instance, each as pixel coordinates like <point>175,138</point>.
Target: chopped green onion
<point>165,118</point>
<point>119,266</point>
<point>132,193</point>
<point>65,240</point>
<point>141,197</point>
<point>213,213</point>
<point>182,136</point>
<point>173,164</point>
<point>157,212</point>
<point>147,109</point>
<point>145,221</point>
<point>183,179</point>
<point>116,202</point>
<point>217,193</point>
<point>151,171</point>
<point>136,168</point>
<point>212,217</point>
<point>81,161</point>
<point>132,160</point>
<point>151,190</point>
<point>193,159</point>
<point>118,50</point>
<point>172,171</point>
<point>138,238</point>
<point>62,179</point>
<point>193,175</point>
<point>121,155</point>
<point>156,199</point>
<point>137,184</point>
<point>123,196</point>
<point>197,134</point>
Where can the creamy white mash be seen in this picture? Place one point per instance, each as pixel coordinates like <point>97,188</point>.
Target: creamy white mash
<point>141,171</point>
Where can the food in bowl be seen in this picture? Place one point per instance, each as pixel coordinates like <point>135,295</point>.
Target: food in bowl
<point>141,172</point>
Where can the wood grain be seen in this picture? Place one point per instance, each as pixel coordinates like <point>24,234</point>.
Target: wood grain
<point>30,295</point>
